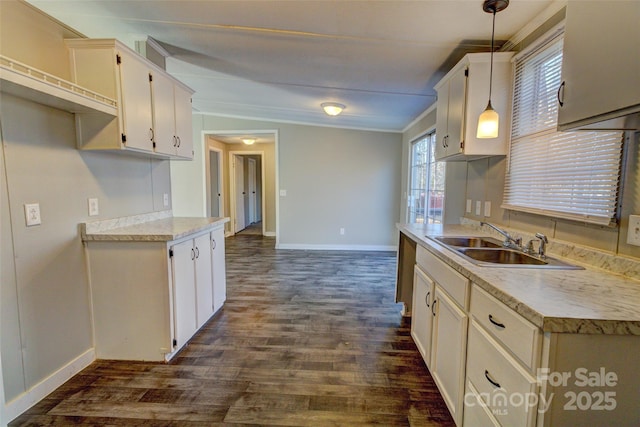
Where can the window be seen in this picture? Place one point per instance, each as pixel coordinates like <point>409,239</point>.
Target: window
<point>426,186</point>
<point>571,175</point>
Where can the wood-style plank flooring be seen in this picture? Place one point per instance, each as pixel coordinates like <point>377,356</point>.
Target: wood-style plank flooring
<point>306,338</point>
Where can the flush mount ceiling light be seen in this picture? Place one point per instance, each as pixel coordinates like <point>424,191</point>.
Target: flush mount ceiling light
<point>249,141</point>
<point>332,108</point>
<point>489,120</point>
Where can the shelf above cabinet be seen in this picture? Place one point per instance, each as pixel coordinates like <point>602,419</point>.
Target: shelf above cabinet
<point>26,82</point>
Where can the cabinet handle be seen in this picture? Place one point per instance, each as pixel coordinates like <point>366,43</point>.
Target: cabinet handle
<point>433,307</point>
<point>426,298</point>
<point>179,142</point>
<point>197,252</point>
<point>151,134</point>
<point>193,254</point>
<point>175,141</point>
<point>213,243</point>
<point>498,324</point>
<point>561,98</point>
<point>486,375</point>
<point>444,138</point>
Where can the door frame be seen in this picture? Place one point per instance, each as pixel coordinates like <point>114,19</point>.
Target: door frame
<point>220,179</point>
<point>232,187</point>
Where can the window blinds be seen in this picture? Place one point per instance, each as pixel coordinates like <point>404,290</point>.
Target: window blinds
<point>571,175</point>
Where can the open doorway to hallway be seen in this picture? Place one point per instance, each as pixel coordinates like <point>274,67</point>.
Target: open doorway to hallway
<point>241,180</point>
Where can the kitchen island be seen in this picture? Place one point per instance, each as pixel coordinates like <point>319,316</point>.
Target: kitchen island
<point>526,346</point>
<point>155,280</point>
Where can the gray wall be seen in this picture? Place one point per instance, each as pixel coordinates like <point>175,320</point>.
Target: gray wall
<point>334,178</point>
<point>45,310</point>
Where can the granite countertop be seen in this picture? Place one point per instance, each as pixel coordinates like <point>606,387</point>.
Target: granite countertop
<point>152,227</point>
<point>590,301</point>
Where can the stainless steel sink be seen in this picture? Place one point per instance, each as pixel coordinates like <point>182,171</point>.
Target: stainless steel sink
<point>470,242</point>
<point>489,252</point>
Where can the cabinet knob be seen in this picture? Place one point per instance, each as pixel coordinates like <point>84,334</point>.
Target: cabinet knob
<point>561,97</point>
<point>488,377</point>
<point>495,322</point>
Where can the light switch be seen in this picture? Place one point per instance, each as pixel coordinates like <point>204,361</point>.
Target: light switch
<point>32,214</point>
<point>469,202</point>
<point>633,235</point>
<point>283,193</point>
<point>487,208</point>
<point>165,199</point>
<point>94,208</point>
<point>478,208</point>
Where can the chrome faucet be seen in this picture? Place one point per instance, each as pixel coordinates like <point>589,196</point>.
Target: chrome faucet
<point>542,249</point>
<point>508,240</point>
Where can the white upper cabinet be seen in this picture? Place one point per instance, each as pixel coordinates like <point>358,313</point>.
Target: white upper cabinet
<point>154,109</point>
<point>462,96</point>
<point>600,65</point>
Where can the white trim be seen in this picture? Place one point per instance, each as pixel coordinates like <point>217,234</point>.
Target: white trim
<point>157,47</point>
<point>421,116</point>
<point>293,122</point>
<point>311,247</point>
<point>555,7</point>
<point>39,391</point>
<point>269,234</point>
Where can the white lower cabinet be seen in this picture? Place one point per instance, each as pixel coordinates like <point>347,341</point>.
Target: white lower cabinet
<point>219,281</point>
<point>150,297</point>
<point>422,316</point>
<point>449,347</point>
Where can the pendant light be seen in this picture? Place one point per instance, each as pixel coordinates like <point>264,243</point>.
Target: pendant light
<point>488,122</point>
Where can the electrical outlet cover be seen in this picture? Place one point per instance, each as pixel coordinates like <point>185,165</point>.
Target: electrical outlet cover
<point>32,214</point>
<point>633,235</point>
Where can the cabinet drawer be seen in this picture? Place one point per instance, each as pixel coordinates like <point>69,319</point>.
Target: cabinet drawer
<point>452,282</point>
<point>518,335</point>
<point>476,412</point>
<point>508,390</point>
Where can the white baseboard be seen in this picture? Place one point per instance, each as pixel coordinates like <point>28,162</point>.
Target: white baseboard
<point>39,391</point>
<point>269,234</point>
<point>308,247</point>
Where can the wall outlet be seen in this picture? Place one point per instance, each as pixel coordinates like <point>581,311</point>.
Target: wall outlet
<point>165,199</point>
<point>342,231</point>
<point>487,209</point>
<point>478,208</point>
<point>633,235</point>
<point>94,208</point>
<point>469,203</point>
<point>32,214</point>
<point>283,193</point>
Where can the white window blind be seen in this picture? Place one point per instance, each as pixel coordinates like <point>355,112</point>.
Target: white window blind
<point>571,175</point>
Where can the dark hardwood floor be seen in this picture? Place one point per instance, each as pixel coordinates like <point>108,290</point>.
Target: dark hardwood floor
<point>306,338</point>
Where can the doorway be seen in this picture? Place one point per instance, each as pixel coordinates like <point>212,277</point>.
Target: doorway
<point>247,183</point>
<point>216,204</point>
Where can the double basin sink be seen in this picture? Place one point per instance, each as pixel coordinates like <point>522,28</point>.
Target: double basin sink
<point>487,251</point>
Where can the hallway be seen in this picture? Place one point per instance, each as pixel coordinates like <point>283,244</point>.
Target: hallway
<point>306,338</point>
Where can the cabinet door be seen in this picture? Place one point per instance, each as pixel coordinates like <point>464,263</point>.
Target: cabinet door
<point>448,354</point>
<point>456,112</point>
<point>204,291</point>
<point>183,122</point>
<point>184,291</point>
<point>442,112</point>
<point>601,63</point>
<point>163,115</point>
<point>135,98</point>
<point>218,268</point>
<point>421,318</point>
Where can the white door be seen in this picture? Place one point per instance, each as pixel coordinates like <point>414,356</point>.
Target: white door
<point>163,115</point>
<point>219,268</point>
<point>252,191</point>
<point>214,183</point>
<point>184,291</point>
<point>240,193</point>
<point>136,102</point>
<point>204,289</point>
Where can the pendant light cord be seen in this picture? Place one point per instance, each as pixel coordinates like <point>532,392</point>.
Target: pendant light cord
<point>493,30</point>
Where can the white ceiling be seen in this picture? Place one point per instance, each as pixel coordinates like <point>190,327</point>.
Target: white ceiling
<point>279,60</point>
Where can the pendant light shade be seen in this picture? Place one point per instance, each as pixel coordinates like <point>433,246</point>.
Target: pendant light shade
<point>489,120</point>
<point>488,123</point>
